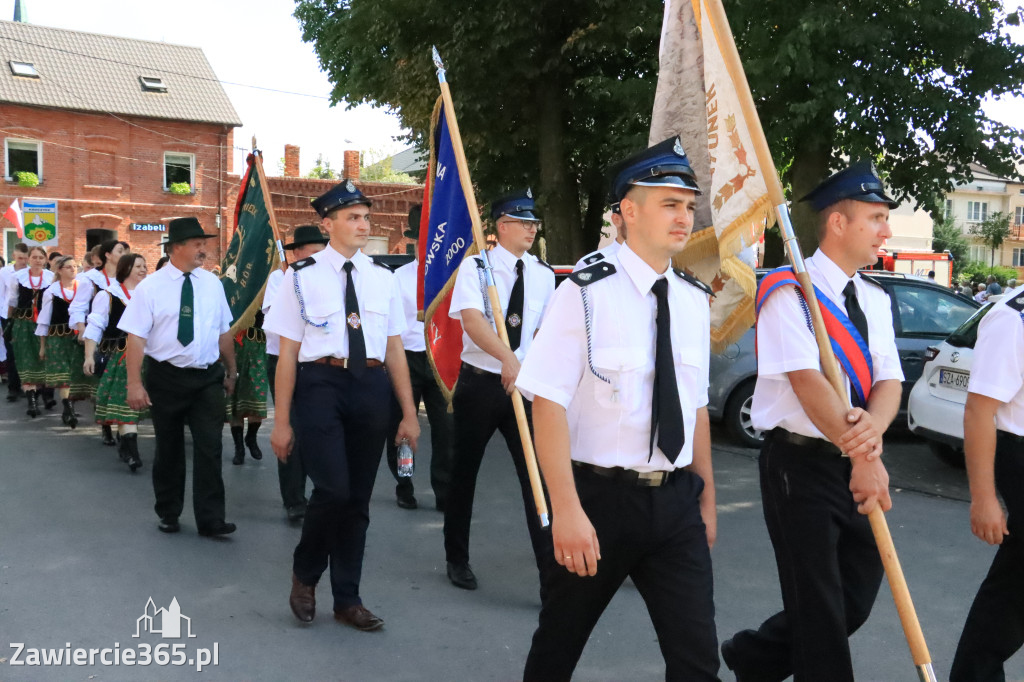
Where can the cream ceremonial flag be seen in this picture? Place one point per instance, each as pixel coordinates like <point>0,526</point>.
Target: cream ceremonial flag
<point>696,99</point>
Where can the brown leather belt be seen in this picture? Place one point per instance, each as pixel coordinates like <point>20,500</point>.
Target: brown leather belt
<point>342,363</point>
<point>826,446</point>
<point>645,479</point>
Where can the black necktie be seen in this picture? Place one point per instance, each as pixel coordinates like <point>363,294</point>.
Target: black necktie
<point>514,314</point>
<point>666,413</point>
<point>356,343</point>
<point>856,315</point>
<point>186,325</point>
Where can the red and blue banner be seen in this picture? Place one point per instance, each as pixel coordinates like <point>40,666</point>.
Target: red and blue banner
<point>849,346</point>
<point>446,238</point>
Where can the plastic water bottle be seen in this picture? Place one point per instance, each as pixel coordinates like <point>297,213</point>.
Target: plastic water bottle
<point>406,464</point>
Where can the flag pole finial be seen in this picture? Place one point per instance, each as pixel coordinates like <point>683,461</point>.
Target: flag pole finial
<point>254,143</point>
<point>439,64</point>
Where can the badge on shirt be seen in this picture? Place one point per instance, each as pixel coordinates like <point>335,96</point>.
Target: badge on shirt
<point>353,320</point>
<point>514,320</point>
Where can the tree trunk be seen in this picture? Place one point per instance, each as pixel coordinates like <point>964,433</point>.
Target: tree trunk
<point>593,219</point>
<point>562,230</point>
<point>810,167</point>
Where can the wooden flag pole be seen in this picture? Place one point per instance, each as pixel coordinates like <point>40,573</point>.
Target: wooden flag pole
<point>492,290</point>
<point>830,366</point>
<point>258,160</point>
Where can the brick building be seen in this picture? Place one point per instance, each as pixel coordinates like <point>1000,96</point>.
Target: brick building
<point>291,194</point>
<point>108,125</point>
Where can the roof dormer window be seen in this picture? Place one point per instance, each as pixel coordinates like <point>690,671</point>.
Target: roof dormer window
<point>23,69</point>
<point>152,84</point>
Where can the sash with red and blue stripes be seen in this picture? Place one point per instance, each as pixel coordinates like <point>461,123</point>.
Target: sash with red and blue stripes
<point>849,346</point>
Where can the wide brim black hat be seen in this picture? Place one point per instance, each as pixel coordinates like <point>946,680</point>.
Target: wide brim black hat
<point>306,234</point>
<point>415,213</point>
<point>183,229</point>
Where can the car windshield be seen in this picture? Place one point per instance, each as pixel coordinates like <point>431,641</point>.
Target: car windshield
<point>967,333</point>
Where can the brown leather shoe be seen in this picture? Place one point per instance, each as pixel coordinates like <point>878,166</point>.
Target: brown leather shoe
<point>359,617</point>
<point>303,600</point>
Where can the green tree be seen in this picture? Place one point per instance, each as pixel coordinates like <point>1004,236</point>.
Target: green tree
<point>993,232</point>
<point>322,170</point>
<point>947,236</point>
<point>548,93</point>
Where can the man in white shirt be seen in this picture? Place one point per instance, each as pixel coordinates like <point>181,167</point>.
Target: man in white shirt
<point>307,240</point>
<point>619,378</point>
<point>481,402</point>
<point>19,261</point>
<point>179,320</point>
<point>339,317</point>
<point>817,450</point>
<point>993,445</point>
<point>425,386</point>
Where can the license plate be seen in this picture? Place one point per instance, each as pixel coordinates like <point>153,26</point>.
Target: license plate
<point>954,379</point>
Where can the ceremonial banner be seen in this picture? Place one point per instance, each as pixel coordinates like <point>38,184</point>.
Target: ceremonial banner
<point>40,222</point>
<point>446,238</point>
<point>697,100</point>
<point>251,255</point>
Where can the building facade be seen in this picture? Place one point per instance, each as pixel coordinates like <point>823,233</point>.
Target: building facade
<point>971,204</point>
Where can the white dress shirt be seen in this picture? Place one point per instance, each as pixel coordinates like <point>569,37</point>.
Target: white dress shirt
<point>269,294</point>
<point>610,422</point>
<point>324,332</point>
<point>605,253</point>
<point>413,338</point>
<point>152,314</point>
<point>997,368</point>
<point>46,309</point>
<point>785,344</point>
<point>467,295</point>
<point>99,315</point>
<point>90,282</point>
<point>6,276</point>
<point>22,278</point>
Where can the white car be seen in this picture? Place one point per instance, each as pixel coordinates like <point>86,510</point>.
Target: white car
<point>935,410</point>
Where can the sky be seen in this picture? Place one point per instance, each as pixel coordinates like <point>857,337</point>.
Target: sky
<point>258,42</point>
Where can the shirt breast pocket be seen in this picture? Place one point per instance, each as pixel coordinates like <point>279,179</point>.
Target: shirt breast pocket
<point>375,316</point>
<point>691,376</point>
<point>626,368</point>
<point>323,313</point>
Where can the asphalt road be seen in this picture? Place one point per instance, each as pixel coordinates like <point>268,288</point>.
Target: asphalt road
<point>80,556</point>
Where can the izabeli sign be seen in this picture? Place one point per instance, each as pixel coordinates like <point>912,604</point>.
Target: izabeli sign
<point>148,227</point>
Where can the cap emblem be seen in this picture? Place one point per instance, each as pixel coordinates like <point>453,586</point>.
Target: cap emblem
<point>349,186</point>
<point>529,193</point>
<point>678,148</point>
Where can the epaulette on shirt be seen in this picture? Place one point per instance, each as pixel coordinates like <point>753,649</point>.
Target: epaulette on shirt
<point>1017,303</point>
<point>592,274</point>
<point>304,263</point>
<point>592,258</point>
<point>382,265</point>
<point>694,281</point>
<point>871,280</point>
<point>479,262</point>
<point>546,264</point>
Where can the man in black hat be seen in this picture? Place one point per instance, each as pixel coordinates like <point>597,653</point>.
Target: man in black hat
<point>179,319</point>
<point>619,378</point>
<point>306,241</point>
<point>424,386</point>
<point>817,450</point>
<point>339,317</point>
<point>489,369</point>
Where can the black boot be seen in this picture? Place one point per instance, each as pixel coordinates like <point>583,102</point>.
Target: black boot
<point>122,451</point>
<point>250,440</point>
<point>130,443</point>
<point>236,435</point>
<point>108,435</point>
<point>48,398</point>
<point>33,403</point>
<point>68,416</point>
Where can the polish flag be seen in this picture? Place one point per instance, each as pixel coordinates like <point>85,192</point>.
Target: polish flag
<point>13,215</point>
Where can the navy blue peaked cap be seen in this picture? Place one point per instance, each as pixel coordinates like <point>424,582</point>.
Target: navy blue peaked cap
<point>859,182</point>
<point>663,165</point>
<point>518,204</point>
<point>342,195</point>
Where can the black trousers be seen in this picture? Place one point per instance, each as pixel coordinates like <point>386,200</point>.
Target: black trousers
<point>193,397</point>
<point>481,408</point>
<point>994,630</point>
<point>13,380</point>
<point>291,477</point>
<point>829,568</point>
<point>655,536</point>
<point>425,387</point>
<point>343,421</point>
